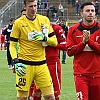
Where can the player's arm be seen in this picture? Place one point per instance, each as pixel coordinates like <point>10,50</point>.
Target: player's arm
<point>52,40</point>
<point>95,46</point>
<point>13,45</point>
<point>61,38</point>
<point>72,48</point>
<point>13,40</point>
<point>20,68</point>
<point>61,47</point>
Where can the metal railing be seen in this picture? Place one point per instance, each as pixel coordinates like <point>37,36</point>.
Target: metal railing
<point>11,9</point>
<point>7,6</point>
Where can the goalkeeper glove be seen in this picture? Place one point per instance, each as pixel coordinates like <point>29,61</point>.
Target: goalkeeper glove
<point>19,67</point>
<point>39,37</point>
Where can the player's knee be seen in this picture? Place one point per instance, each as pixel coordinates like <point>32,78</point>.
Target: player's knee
<point>37,94</point>
<point>49,97</point>
<point>47,90</point>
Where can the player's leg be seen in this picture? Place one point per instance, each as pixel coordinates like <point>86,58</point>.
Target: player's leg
<point>55,72</point>
<point>63,57</point>
<point>23,83</point>
<point>37,95</point>
<point>82,87</point>
<point>48,93</point>
<point>1,46</point>
<point>22,95</point>
<point>2,41</point>
<point>7,45</point>
<point>9,59</point>
<point>4,45</point>
<point>30,96</point>
<point>44,82</point>
<point>94,89</point>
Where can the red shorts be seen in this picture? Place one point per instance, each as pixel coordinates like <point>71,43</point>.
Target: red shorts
<point>2,38</point>
<point>55,72</point>
<point>87,88</point>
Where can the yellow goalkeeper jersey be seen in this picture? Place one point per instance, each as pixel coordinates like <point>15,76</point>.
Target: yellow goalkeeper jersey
<point>30,50</point>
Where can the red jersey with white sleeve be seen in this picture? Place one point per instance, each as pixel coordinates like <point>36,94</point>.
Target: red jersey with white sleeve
<point>53,60</point>
<point>52,52</point>
<point>86,56</point>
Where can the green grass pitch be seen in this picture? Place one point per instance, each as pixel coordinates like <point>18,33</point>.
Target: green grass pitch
<point>7,80</point>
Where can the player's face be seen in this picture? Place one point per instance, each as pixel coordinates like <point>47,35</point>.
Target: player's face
<point>12,22</point>
<point>31,9</point>
<point>88,13</point>
<point>62,22</point>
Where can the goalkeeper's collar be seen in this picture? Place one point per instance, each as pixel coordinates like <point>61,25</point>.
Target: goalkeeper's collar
<point>30,18</point>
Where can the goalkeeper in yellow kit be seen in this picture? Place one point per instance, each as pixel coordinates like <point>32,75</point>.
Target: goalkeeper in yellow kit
<point>31,62</point>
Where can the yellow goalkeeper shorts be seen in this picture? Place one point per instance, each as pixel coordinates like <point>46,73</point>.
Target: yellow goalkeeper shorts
<point>39,73</point>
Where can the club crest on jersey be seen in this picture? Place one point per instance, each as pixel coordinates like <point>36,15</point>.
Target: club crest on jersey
<point>61,30</point>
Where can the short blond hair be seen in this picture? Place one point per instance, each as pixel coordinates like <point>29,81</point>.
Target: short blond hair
<point>26,1</point>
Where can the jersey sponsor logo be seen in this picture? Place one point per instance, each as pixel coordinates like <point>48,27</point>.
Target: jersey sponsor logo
<point>80,36</point>
<point>87,48</point>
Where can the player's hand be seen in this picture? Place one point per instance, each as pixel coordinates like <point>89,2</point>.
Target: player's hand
<point>20,68</point>
<point>38,37</point>
<point>86,36</point>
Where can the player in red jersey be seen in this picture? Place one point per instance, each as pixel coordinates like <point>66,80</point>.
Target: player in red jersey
<point>83,42</point>
<point>53,63</point>
<point>3,43</point>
